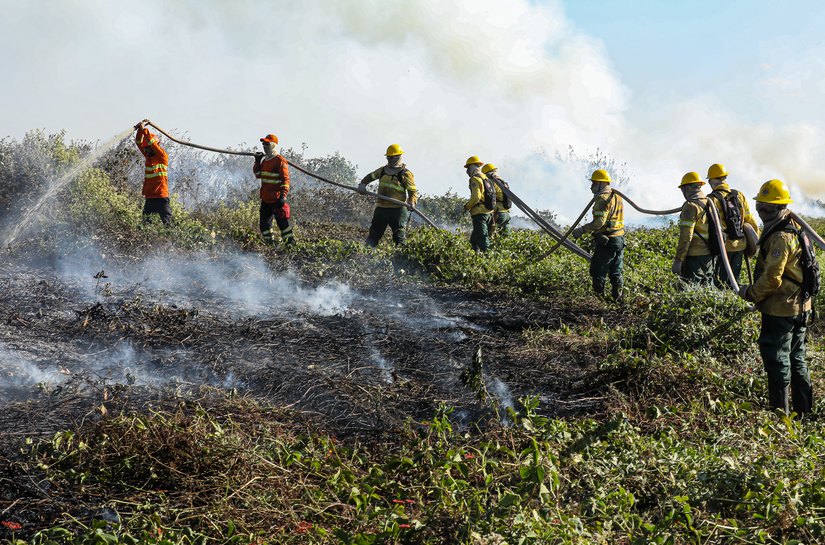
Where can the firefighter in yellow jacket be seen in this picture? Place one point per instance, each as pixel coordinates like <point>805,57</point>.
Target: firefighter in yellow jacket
<point>482,214</point>
<point>501,216</point>
<point>608,236</point>
<point>694,261</point>
<point>777,292</point>
<point>734,214</point>
<point>395,181</point>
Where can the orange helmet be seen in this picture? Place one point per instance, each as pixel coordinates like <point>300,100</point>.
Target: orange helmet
<point>270,138</point>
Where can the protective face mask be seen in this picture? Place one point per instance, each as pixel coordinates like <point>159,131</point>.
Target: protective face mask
<point>767,214</point>
<point>394,160</point>
<point>269,149</point>
<point>692,193</point>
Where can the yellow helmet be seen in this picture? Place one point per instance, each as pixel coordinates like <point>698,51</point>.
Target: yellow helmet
<point>487,168</point>
<point>600,176</point>
<point>691,178</point>
<point>474,160</point>
<point>394,150</point>
<point>774,192</point>
<point>717,171</point>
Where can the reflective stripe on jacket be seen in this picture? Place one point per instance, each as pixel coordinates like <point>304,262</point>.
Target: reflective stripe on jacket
<point>156,174</point>
<point>399,185</point>
<point>777,275</point>
<point>608,215</point>
<point>274,176</point>
<point>693,221</point>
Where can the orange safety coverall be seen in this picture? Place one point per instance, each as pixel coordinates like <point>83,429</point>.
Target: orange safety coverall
<point>155,181</point>
<point>274,176</point>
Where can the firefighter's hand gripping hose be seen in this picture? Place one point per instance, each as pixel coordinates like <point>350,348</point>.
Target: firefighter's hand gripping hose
<point>296,167</point>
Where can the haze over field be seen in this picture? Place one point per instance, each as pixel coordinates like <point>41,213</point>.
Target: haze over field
<point>515,81</point>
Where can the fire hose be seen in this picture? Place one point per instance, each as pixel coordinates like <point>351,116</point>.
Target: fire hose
<point>818,240</point>
<point>301,169</point>
<point>549,229</point>
<point>586,208</point>
<point>723,255</point>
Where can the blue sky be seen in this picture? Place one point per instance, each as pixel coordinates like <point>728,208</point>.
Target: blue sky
<point>731,50</point>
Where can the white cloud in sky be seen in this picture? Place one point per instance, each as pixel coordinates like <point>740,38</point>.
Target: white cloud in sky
<point>504,79</point>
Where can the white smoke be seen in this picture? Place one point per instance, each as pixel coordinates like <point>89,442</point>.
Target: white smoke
<point>510,80</point>
<point>242,283</point>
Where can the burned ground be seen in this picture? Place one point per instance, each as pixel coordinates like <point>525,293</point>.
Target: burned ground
<point>363,358</point>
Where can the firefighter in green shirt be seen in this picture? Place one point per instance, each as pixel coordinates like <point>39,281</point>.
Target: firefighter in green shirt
<point>694,261</point>
<point>778,293</point>
<point>396,181</point>
<point>607,228</point>
<point>481,214</point>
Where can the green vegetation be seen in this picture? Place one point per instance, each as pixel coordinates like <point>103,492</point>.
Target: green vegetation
<point>682,449</point>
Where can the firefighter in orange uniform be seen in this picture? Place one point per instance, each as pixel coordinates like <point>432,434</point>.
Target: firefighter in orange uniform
<point>273,171</point>
<point>155,179</point>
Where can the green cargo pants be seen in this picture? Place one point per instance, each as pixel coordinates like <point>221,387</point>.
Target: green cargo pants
<point>395,218</point>
<point>736,259</point>
<point>502,223</point>
<point>608,260</point>
<point>699,269</point>
<point>782,346</point>
<point>480,238</point>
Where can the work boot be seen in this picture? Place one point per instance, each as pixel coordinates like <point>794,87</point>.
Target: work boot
<point>778,397</point>
<point>617,292</point>
<point>802,394</point>
<point>598,287</point>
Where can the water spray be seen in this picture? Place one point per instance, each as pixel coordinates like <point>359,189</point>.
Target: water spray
<point>61,182</point>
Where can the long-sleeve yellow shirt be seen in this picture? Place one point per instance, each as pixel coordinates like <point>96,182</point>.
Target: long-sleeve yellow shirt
<point>476,203</point>
<point>777,275</point>
<point>608,215</point>
<point>693,221</point>
<point>397,183</point>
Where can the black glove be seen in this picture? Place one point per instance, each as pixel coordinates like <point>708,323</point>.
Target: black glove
<point>280,202</point>
<point>259,155</point>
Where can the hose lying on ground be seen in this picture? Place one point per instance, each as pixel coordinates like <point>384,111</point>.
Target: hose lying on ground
<point>308,173</point>
<point>549,229</point>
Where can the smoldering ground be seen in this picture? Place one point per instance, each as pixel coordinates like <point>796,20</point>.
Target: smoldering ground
<point>363,359</point>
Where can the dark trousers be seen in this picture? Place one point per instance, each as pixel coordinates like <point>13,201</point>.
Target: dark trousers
<point>699,269</point>
<point>608,261</point>
<point>501,224</point>
<point>269,212</point>
<point>160,207</point>
<point>394,218</point>
<point>480,237</point>
<point>736,259</point>
<point>782,346</point>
